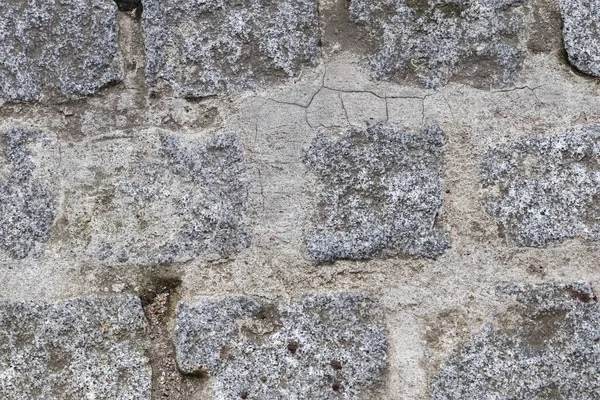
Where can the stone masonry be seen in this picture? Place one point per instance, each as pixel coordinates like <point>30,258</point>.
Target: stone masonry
<point>299,199</point>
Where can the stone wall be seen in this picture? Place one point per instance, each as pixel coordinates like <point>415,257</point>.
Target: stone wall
<point>299,199</point>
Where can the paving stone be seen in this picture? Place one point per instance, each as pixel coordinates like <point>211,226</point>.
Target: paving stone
<point>52,47</point>
<point>27,203</point>
<point>379,191</point>
<point>157,197</point>
<point>325,346</point>
<point>543,190</point>
<point>83,348</point>
<point>545,348</point>
<point>581,33</point>
<point>438,39</point>
<point>208,47</point>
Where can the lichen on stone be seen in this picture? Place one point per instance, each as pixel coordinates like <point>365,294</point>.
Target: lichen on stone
<point>543,190</point>
<point>50,47</point>
<point>325,346</point>
<point>547,348</point>
<point>379,192</point>
<point>215,46</point>
<point>438,39</point>
<point>581,34</point>
<point>84,348</point>
<point>27,204</point>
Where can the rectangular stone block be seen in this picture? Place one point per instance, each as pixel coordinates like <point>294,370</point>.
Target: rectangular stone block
<point>28,195</point>
<point>325,346</point>
<point>155,197</point>
<point>544,190</point>
<point>581,34</point>
<point>84,348</point>
<point>379,192</point>
<point>209,47</point>
<point>438,41</point>
<point>57,47</point>
<point>545,347</point>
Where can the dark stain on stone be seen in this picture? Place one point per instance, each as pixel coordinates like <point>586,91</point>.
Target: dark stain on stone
<point>335,364</point>
<point>293,346</point>
<point>582,296</point>
<point>542,327</point>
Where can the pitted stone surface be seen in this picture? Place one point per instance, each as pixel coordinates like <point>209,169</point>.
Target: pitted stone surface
<point>549,350</point>
<point>27,204</point>
<point>581,33</point>
<point>51,47</point>
<point>155,199</point>
<point>379,192</point>
<point>325,346</point>
<point>545,190</point>
<point>438,39</point>
<point>83,348</point>
<point>205,48</point>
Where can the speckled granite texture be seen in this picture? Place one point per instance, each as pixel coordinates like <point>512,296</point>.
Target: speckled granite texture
<point>83,348</point>
<point>49,47</point>
<point>325,346</point>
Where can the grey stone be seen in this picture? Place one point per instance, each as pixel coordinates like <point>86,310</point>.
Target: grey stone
<point>581,33</point>
<point>50,47</point>
<point>156,200</point>
<point>27,204</point>
<point>545,190</point>
<point>547,348</point>
<point>324,347</point>
<point>83,348</point>
<point>438,39</point>
<point>379,193</point>
<point>208,47</point>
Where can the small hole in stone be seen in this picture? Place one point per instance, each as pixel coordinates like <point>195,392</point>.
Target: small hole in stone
<point>335,364</point>
<point>244,395</point>
<point>263,379</point>
<point>336,387</point>
<point>293,346</point>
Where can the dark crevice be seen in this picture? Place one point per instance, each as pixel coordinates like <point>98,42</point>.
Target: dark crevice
<point>129,5</point>
<point>160,295</point>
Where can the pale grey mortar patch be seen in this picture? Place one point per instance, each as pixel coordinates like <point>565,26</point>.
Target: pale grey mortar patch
<point>67,47</point>
<point>323,347</point>
<point>545,190</point>
<point>437,39</point>
<point>581,34</point>
<point>83,348</point>
<point>549,351</point>
<point>379,192</point>
<point>216,46</point>
<point>27,204</point>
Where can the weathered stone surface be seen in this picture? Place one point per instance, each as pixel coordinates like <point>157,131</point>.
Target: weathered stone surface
<point>214,46</point>
<point>27,204</point>
<point>157,199</point>
<point>581,33</point>
<point>79,349</point>
<point>438,39</point>
<point>49,46</point>
<point>379,192</point>
<point>545,190</point>
<point>325,346</point>
<point>546,349</point>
